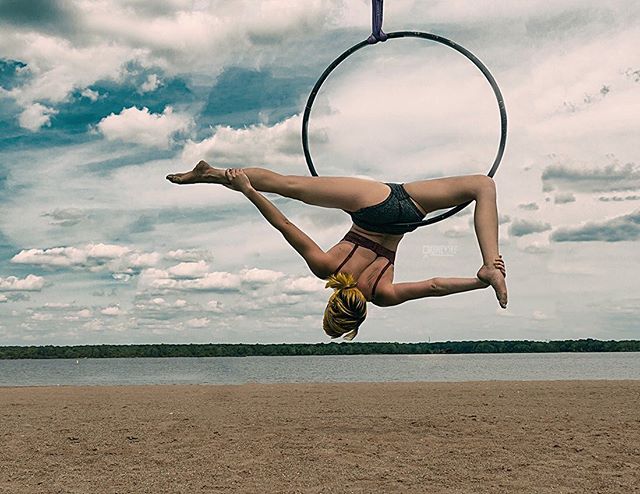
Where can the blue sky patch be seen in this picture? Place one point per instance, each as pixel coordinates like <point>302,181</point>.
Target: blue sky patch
<point>11,74</point>
<point>77,115</point>
<point>245,97</point>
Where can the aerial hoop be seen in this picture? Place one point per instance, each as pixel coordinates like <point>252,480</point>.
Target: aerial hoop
<point>410,34</point>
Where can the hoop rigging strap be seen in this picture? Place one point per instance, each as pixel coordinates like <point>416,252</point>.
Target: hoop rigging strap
<point>377,11</point>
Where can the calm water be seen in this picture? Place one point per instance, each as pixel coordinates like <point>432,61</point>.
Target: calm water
<point>372,368</point>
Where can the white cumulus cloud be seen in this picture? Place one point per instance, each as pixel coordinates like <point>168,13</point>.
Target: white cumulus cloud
<point>189,269</point>
<point>113,311</point>
<point>160,279</point>
<point>303,284</point>
<point>95,257</point>
<point>260,276</point>
<point>151,84</point>
<point>56,256</point>
<point>275,146</point>
<point>31,283</point>
<point>90,94</point>
<point>197,322</point>
<point>58,66</point>
<point>140,126</point>
<point>36,116</point>
<point>188,255</point>
<point>195,276</point>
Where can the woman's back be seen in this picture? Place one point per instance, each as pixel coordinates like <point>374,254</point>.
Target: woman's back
<point>369,261</point>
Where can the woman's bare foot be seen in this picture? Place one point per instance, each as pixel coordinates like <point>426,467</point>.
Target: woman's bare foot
<point>494,277</point>
<point>202,173</point>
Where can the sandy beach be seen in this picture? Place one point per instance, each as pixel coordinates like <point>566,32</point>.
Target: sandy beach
<point>534,437</point>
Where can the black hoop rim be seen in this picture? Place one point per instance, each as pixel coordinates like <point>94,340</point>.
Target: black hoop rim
<point>438,39</point>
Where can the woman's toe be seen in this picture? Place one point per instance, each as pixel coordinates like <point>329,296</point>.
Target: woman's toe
<point>174,177</point>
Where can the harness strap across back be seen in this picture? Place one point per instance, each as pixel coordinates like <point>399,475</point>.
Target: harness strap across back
<point>375,285</point>
<point>355,247</point>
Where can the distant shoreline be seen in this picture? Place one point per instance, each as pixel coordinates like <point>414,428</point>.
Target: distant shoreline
<point>307,349</point>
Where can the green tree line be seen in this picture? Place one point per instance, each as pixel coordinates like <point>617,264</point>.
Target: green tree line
<point>289,349</point>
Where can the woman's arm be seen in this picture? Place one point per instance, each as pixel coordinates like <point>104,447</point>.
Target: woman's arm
<point>397,293</point>
<point>317,260</point>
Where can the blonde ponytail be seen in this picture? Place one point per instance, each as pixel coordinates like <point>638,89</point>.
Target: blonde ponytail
<point>341,281</point>
<point>346,309</point>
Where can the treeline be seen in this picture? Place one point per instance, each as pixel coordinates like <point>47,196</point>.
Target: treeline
<point>290,349</point>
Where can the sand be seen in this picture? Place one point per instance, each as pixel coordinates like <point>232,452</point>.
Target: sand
<point>534,437</point>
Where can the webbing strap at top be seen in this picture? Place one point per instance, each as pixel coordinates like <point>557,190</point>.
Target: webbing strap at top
<point>376,22</point>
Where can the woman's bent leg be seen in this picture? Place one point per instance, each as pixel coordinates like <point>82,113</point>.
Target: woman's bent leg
<point>442,193</point>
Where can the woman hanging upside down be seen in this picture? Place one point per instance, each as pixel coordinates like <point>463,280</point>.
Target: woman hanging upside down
<point>360,266</point>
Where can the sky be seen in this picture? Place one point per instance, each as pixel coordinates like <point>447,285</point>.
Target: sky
<point>100,99</point>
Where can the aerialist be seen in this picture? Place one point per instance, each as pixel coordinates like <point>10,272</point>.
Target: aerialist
<point>360,266</point>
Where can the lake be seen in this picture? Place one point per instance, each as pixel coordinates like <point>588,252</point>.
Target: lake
<point>338,368</point>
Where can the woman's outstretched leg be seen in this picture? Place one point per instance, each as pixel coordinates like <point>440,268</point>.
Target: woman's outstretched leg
<point>442,193</point>
<point>348,193</point>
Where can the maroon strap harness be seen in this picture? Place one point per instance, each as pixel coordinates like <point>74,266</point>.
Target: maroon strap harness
<point>367,243</point>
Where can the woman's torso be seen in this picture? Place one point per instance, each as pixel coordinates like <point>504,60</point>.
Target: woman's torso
<point>364,264</point>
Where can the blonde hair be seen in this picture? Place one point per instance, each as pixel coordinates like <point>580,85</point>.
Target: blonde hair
<point>346,309</point>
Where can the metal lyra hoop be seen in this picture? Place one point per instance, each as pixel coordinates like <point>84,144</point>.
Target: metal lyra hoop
<point>437,39</point>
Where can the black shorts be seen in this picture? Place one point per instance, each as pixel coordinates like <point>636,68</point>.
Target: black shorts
<point>385,216</point>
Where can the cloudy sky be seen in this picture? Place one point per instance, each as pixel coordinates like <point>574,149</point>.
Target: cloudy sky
<point>100,99</point>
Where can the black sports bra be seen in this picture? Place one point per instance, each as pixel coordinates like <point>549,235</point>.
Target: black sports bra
<point>360,241</point>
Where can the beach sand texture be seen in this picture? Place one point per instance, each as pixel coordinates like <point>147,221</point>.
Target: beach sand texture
<point>480,437</point>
